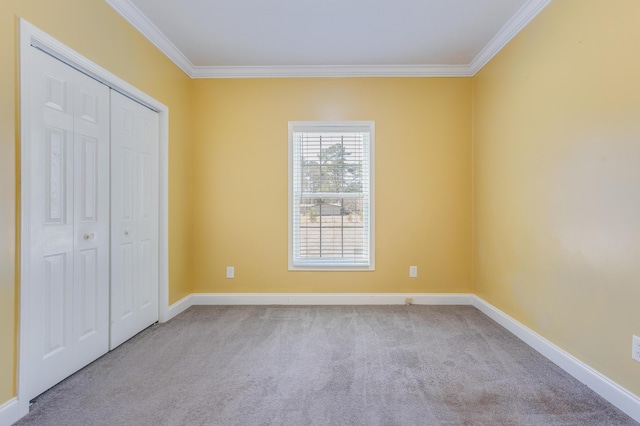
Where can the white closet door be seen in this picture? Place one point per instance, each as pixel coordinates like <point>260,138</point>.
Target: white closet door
<point>68,301</point>
<point>134,215</point>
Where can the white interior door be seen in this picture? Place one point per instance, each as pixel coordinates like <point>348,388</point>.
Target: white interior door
<point>68,206</point>
<point>134,215</point>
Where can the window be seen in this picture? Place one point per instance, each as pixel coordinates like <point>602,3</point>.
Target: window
<point>331,202</point>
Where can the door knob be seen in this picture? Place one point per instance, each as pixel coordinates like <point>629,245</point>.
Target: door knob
<point>89,236</point>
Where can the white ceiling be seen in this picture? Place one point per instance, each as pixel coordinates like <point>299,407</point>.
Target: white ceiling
<point>280,38</point>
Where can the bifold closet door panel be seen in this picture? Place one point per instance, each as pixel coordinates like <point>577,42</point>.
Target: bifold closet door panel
<point>134,215</point>
<point>68,229</point>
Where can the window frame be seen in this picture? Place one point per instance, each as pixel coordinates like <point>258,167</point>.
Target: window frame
<point>332,126</point>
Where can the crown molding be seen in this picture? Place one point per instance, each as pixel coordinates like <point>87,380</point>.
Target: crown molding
<point>521,19</point>
<point>333,71</point>
<point>140,22</point>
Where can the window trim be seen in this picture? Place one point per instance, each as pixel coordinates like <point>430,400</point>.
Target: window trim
<point>333,126</point>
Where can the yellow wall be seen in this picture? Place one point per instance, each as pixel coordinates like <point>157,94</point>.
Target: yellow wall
<point>557,181</point>
<point>96,31</point>
<point>423,181</point>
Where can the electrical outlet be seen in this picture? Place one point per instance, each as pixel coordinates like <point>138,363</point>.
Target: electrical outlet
<point>635,348</point>
<point>413,272</point>
<point>230,272</point>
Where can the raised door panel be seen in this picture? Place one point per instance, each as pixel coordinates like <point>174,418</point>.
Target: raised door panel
<point>88,293</point>
<point>55,301</point>
<point>146,289</point>
<point>126,277</point>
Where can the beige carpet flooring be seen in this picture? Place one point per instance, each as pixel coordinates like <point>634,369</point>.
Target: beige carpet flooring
<point>324,365</point>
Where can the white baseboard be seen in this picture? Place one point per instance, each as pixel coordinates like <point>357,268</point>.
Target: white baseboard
<point>9,412</point>
<point>179,307</point>
<point>318,299</point>
<point>609,390</point>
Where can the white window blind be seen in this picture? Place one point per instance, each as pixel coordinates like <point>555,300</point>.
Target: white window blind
<point>331,195</point>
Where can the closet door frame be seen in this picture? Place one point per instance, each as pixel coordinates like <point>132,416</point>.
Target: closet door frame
<point>33,38</point>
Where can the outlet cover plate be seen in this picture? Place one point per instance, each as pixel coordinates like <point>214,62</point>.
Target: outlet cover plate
<point>230,272</point>
<point>635,348</point>
<point>413,272</point>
